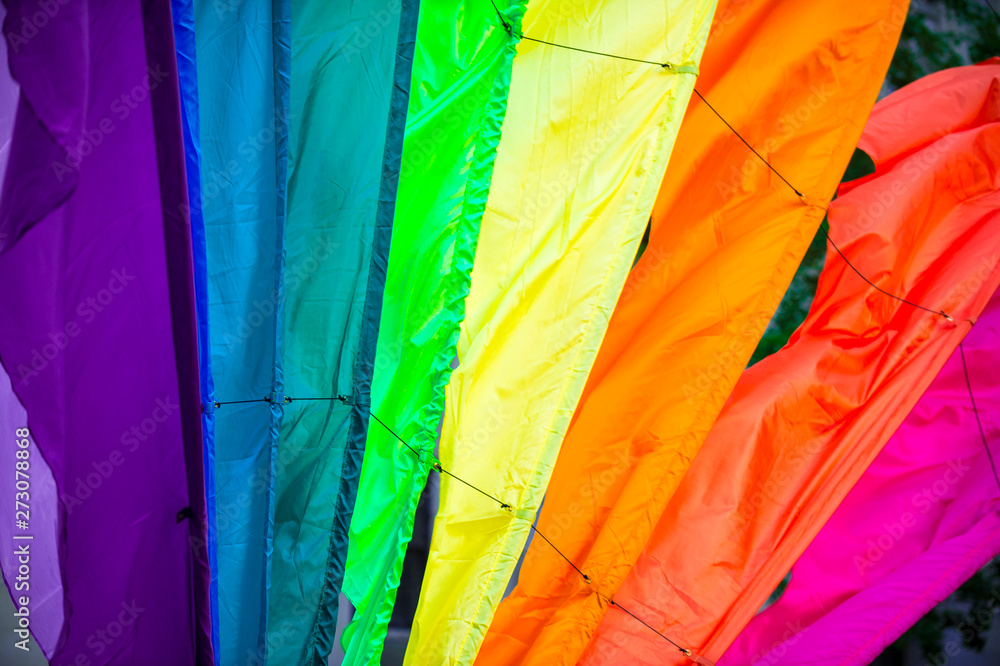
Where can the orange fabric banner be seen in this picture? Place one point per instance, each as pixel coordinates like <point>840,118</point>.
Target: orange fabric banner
<point>803,425</point>
<point>796,80</point>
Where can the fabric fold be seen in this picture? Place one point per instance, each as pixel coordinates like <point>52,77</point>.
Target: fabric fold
<point>803,424</point>
<point>243,135</point>
<point>583,149</point>
<point>921,519</point>
<point>337,237</point>
<point>795,80</point>
<point>99,335</point>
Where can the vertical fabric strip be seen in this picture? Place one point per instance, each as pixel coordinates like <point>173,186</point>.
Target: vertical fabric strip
<point>281,65</point>
<point>365,364</point>
<point>241,130</point>
<point>169,138</point>
<point>87,334</point>
<point>807,421</point>
<point>183,21</point>
<point>584,146</point>
<point>336,253</point>
<point>457,103</point>
<point>726,237</point>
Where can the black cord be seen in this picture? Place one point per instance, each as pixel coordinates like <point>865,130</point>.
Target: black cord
<point>586,578</point>
<point>648,626</point>
<point>941,313</point>
<point>972,398</point>
<point>510,31</point>
<point>745,143</point>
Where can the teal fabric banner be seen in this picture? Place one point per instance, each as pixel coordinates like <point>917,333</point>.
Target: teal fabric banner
<point>242,53</point>
<point>303,107</point>
<point>343,62</point>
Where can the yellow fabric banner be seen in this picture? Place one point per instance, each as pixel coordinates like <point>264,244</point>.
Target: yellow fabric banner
<point>584,147</point>
<point>796,80</point>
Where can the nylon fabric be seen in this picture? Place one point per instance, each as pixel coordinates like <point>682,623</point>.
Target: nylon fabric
<point>243,127</point>
<point>182,13</point>
<point>923,517</point>
<point>98,334</point>
<point>333,289</point>
<point>796,80</point>
<point>803,424</point>
<point>584,145</point>
<point>461,74</point>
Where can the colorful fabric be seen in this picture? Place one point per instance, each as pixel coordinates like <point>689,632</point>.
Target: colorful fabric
<point>924,516</point>
<point>337,236</point>
<point>99,337</point>
<point>460,82</point>
<point>182,12</point>
<point>584,146</point>
<point>298,223</point>
<point>795,80</point>
<point>803,424</point>
<point>244,126</point>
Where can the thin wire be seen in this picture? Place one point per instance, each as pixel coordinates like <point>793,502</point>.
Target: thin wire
<point>391,432</point>
<point>665,65</point>
<point>890,295</point>
<point>437,466</point>
<point>238,402</point>
<point>510,31</point>
<point>745,143</point>
<point>972,398</point>
<point>442,470</point>
<point>648,626</point>
<point>503,505</point>
<point>586,578</point>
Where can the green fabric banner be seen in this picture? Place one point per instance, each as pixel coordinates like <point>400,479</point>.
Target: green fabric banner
<point>461,77</point>
<point>350,68</point>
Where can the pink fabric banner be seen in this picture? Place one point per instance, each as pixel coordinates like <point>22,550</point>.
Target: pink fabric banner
<point>922,519</point>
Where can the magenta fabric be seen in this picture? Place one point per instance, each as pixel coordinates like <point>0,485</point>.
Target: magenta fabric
<point>98,337</point>
<point>922,519</point>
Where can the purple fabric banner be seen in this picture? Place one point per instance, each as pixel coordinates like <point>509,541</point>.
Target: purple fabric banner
<point>922,519</point>
<point>97,336</point>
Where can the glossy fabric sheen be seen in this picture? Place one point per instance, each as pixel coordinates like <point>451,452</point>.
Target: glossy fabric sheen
<point>97,341</point>
<point>460,79</point>
<point>330,296</point>
<point>803,424</point>
<point>243,139</point>
<point>796,80</point>
<point>583,149</point>
<point>923,517</point>
<point>182,12</point>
